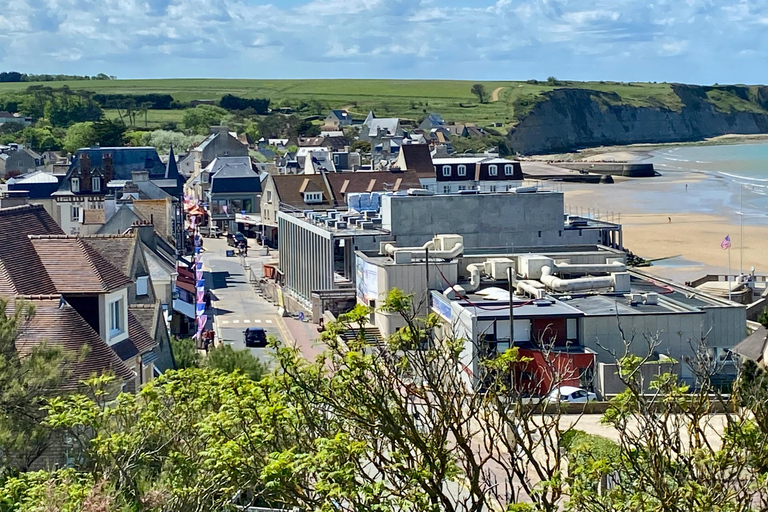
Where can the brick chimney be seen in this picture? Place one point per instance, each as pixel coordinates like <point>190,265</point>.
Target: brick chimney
<point>109,172</point>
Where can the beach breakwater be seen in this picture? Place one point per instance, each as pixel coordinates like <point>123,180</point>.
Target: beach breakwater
<point>567,119</point>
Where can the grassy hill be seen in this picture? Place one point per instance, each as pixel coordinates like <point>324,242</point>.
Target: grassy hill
<point>408,99</point>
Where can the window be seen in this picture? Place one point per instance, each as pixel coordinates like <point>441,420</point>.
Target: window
<point>446,170</point>
<point>509,169</point>
<point>313,197</point>
<point>493,188</point>
<point>462,187</point>
<point>462,170</point>
<point>335,159</point>
<point>571,329</point>
<point>116,317</point>
<point>75,185</point>
<point>446,189</point>
<point>269,196</point>
<point>493,170</point>
<point>142,286</point>
<point>76,212</point>
<point>96,184</point>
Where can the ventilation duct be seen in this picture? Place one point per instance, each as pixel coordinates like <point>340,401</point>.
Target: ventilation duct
<point>574,285</point>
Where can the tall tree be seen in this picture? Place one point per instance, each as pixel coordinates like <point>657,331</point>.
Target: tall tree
<point>479,91</point>
<point>25,382</point>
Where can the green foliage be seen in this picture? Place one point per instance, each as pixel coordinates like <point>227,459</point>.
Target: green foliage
<point>228,360</point>
<point>185,353</point>
<point>479,91</point>
<point>162,140</point>
<point>199,119</point>
<point>362,146</point>
<point>64,491</point>
<point>25,382</point>
<point>79,135</point>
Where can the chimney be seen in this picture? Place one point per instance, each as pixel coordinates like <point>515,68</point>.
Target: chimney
<point>9,198</point>
<point>219,129</point>
<point>85,164</point>
<point>146,231</point>
<point>139,176</point>
<point>109,172</point>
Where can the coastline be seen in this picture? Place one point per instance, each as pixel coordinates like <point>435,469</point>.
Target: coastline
<point>682,215</point>
<point>642,151</point>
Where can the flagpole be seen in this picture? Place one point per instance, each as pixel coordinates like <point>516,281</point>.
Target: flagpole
<point>741,230</point>
<point>729,272</point>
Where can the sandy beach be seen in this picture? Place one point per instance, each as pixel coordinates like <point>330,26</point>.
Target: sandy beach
<point>683,215</point>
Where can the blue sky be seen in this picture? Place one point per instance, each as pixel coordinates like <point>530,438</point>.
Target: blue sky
<point>696,41</point>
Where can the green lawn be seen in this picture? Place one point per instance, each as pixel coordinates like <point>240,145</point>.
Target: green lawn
<point>408,99</point>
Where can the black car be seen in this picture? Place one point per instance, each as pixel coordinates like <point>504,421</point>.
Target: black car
<point>234,239</point>
<point>255,337</point>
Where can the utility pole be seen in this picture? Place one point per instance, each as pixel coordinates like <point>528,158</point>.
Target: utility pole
<point>426,273</point>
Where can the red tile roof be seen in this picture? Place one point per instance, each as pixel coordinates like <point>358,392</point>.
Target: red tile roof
<point>59,324</point>
<point>21,271</point>
<point>76,267</point>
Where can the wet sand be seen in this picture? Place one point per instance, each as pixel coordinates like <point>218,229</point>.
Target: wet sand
<point>681,215</point>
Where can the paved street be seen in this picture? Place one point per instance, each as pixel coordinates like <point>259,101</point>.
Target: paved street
<point>237,306</point>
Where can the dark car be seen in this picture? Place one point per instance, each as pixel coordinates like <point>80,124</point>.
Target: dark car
<point>255,337</point>
<point>234,239</point>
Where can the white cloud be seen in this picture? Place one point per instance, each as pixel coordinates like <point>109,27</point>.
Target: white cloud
<point>471,39</point>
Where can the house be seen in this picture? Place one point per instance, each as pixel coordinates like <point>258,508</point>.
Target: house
<point>81,298</point>
<point>235,188</point>
<point>375,129</point>
<point>94,171</point>
<point>318,161</point>
<point>336,119</point>
<point>15,159</point>
<point>415,157</point>
<point>310,142</point>
<point>322,191</point>
<point>483,174</point>
<point>219,143</point>
<point>7,117</point>
<point>431,122</point>
<point>40,185</point>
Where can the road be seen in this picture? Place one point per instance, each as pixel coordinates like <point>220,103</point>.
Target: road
<point>236,305</point>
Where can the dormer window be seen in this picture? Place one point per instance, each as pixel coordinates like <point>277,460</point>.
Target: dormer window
<point>313,197</point>
<point>462,170</point>
<point>116,318</point>
<point>75,185</point>
<point>446,170</point>
<point>96,184</point>
<point>509,169</point>
<point>493,170</point>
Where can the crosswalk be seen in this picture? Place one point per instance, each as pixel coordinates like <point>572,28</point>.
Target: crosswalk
<point>246,321</point>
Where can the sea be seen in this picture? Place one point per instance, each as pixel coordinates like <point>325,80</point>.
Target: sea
<point>740,172</point>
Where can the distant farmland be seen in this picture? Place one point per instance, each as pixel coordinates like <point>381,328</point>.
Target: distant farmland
<point>409,99</point>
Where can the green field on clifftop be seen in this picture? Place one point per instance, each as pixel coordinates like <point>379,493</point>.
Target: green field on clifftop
<point>409,99</point>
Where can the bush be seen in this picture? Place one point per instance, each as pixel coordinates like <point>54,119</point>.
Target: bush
<point>230,102</point>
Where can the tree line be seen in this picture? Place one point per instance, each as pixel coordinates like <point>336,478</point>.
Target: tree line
<point>15,76</point>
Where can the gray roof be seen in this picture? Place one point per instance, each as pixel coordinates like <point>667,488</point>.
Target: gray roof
<point>219,162</point>
<point>753,346</point>
<point>388,124</point>
<point>121,221</point>
<point>150,190</point>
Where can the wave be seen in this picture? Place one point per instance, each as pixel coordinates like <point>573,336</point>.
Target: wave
<point>740,177</point>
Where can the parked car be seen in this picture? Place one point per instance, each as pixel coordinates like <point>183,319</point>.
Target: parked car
<point>571,395</point>
<point>255,337</point>
<point>210,231</point>
<point>233,239</point>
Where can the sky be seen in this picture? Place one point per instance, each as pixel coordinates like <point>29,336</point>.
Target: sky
<point>693,41</point>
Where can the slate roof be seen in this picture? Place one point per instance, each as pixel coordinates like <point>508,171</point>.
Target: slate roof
<point>235,176</point>
<point>121,221</point>
<point>389,125</point>
<point>75,267</point>
<point>21,270</point>
<point>116,249</point>
<point>753,346</point>
<point>417,158</point>
<point>340,114</point>
<point>59,324</point>
<point>142,340</point>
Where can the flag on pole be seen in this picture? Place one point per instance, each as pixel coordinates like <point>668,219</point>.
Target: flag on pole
<point>726,243</point>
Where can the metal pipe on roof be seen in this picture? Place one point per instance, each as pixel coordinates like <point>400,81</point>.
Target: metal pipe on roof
<point>572,285</point>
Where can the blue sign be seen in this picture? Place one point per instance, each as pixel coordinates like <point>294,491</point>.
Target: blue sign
<point>442,307</point>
